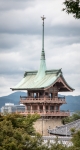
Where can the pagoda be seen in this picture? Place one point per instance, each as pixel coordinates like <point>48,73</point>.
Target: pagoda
<point>42,88</point>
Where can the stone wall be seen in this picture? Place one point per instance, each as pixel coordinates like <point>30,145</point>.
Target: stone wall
<point>66,141</point>
<point>41,125</point>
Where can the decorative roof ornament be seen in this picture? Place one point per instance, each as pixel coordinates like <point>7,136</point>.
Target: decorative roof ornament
<point>43,32</point>
<point>42,68</point>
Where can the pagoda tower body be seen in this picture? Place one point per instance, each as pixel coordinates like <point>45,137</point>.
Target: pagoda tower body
<point>42,93</point>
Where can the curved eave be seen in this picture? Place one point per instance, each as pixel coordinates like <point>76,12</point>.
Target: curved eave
<point>14,89</point>
<point>69,87</point>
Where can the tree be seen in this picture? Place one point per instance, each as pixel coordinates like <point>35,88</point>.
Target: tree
<point>69,119</point>
<point>17,133</point>
<point>76,140</point>
<point>18,121</point>
<point>72,7</point>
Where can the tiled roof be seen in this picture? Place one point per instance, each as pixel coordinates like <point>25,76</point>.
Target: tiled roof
<point>32,80</point>
<point>65,130</point>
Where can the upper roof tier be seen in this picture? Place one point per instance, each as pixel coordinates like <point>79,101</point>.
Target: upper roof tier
<point>51,77</point>
<point>43,79</point>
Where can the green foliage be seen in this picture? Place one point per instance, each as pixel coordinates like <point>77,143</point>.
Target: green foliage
<point>72,131</point>
<point>16,132</point>
<point>66,120</point>
<point>18,121</point>
<point>69,119</point>
<point>76,116</point>
<point>76,140</point>
<point>58,147</point>
<point>72,7</point>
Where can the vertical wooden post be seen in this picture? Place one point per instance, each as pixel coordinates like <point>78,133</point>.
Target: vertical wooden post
<point>38,108</point>
<point>31,108</point>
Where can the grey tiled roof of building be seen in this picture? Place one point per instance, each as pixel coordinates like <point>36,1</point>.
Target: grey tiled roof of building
<point>65,130</point>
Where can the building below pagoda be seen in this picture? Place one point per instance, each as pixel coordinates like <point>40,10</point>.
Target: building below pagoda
<point>42,88</point>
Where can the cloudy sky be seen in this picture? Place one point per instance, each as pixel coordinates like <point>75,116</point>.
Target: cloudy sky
<point>21,41</point>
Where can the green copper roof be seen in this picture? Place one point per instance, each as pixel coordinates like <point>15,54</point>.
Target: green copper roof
<point>41,72</point>
<point>31,80</point>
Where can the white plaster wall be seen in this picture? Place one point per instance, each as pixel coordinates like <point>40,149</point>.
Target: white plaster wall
<point>44,124</point>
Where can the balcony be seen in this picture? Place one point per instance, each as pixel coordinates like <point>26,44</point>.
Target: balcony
<point>46,113</point>
<point>56,100</point>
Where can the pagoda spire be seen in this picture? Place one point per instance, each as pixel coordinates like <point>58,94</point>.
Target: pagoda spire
<point>43,53</point>
<point>42,68</point>
<point>43,33</point>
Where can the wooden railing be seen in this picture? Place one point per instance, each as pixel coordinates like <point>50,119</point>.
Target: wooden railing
<point>25,100</point>
<point>47,113</point>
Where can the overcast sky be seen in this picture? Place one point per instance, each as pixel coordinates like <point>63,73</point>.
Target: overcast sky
<point>21,41</point>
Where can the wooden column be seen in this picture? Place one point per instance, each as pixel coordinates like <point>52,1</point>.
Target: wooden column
<point>32,94</point>
<point>44,108</point>
<point>31,108</point>
<point>48,94</point>
<point>26,109</point>
<point>59,108</point>
<point>38,94</point>
<point>28,94</point>
<point>54,108</point>
<point>38,108</point>
<point>49,108</point>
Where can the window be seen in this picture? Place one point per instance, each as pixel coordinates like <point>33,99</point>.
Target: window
<point>46,93</point>
<point>51,107</point>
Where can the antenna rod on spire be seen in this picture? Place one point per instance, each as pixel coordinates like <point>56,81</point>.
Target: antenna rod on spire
<point>43,33</point>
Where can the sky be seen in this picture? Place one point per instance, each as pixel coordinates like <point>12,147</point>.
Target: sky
<point>21,41</point>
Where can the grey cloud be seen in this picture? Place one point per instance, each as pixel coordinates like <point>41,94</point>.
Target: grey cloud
<point>6,5</point>
<point>62,30</point>
<point>12,72</point>
<point>17,26</point>
<point>54,31</point>
<point>22,22</point>
<point>12,66</point>
<point>60,41</point>
<point>8,41</point>
<point>22,43</point>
